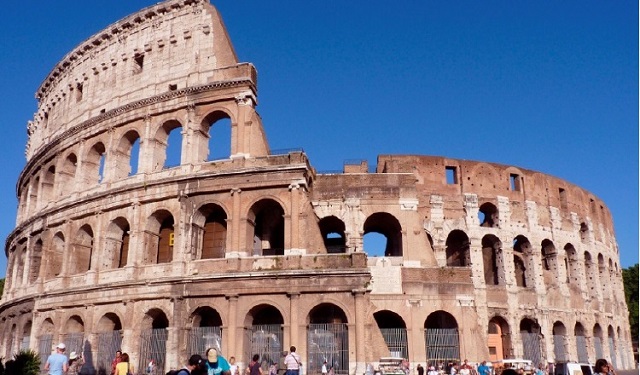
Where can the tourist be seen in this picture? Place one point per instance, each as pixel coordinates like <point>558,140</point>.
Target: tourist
<point>324,368</point>
<point>254,366</point>
<point>233,368</point>
<point>273,369</point>
<point>420,369</point>
<point>115,361</point>
<point>57,362</point>
<point>465,368</point>
<point>216,364</point>
<point>432,371</point>
<point>75,363</point>
<point>603,367</point>
<point>483,369</point>
<point>124,367</point>
<point>292,362</point>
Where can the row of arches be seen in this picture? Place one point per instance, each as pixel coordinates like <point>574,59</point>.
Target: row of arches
<point>567,345</point>
<point>599,272</point>
<point>110,157</point>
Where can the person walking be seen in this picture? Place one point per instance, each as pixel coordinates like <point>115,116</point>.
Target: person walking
<point>124,367</point>
<point>57,363</point>
<point>254,366</point>
<point>292,362</point>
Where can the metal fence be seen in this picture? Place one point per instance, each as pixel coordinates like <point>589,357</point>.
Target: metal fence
<point>153,346</point>
<point>396,340</point>
<point>328,342</point>
<point>199,339</point>
<point>443,345</point>
<point>597,343</point>
<point>45,344</point>
<point>581,346</point>
<point>266,341</point>
<point>612,353</point>
<point>559,348</point>
<point>531,346</point>
<point>108,344</point>
<point>26,342</point>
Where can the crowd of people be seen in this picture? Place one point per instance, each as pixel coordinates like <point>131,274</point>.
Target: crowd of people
<point>602,367</point>
<point>211,364</point>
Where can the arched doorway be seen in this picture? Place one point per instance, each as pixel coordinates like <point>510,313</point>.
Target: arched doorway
<point>328,339</point>
<point>581,343</point>
<point>597,340</point>
<point>559,342</point>
<point>263,327</point>
<point>499,339</point>
<point>530,334</point>
<point>442,339</point>
<point>268,233</point>
<point>109,341</point>
<point>45,341</point>
<point>394,331</point>
<point>153,339</point>
<point>205,332</point>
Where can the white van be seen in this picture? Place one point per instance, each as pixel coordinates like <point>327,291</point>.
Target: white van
<point>572,368</point>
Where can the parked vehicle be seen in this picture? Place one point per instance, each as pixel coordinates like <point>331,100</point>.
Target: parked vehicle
<point>516,364</point>
<point>573,368</point>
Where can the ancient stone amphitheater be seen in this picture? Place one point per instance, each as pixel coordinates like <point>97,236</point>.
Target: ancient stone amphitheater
<point>116,247</point>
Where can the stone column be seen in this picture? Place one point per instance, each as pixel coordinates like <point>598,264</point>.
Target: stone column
<point>359,296</point>
<point>294,303</point>
<point>235,242</point>
<point>231,345</point>
<point>294,227</point>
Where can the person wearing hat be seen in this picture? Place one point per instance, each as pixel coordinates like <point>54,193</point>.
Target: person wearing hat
<point>216,364</point>
<point>75,363</point>
<point>193,367</point>
<point>57,362</point>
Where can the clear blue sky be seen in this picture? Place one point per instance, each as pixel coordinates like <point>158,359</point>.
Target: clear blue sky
<point>545,85</point>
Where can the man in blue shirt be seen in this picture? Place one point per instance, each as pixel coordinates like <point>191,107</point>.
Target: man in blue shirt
<point>57,363</point>
<point>216,364</point>
<point>483,369</point>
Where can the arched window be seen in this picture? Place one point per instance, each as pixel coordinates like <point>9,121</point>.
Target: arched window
<point>491,252</point>
<point>268,232</point>
<point>67,175</point>
<point>488,215</point>
<point>82,251</point>
<point>54,258</point>
<point>333,234</point>
<point>387,226</point>
<point>167,150</point>
<point>457,249</point>
<point>160,238</point>
<point>217,126</point>
<point>93,165</point>
<point>127,155</point>
<point>214,232</point>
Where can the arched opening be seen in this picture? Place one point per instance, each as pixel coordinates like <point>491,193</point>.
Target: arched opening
<point>612,347</point>
<point>218,127</point>
<point>549,254</point>
<point>56,252</point>
<point>82,250</point>
<point>603,277</point>
<point>581,343</point>
<point>127,155</point>
<point>488,215</point>
<point>34,188</point>
<point>597,340</point>
<point>521,252</point>
<point>214,231</point>
<point>388,226</point>
<point>333,234</point>
<point>264,326</point>
<point>168,146</point>
<point>394,332</point>
<point>160,238</point>
<point>441,336</point>
<point>559,341</point>
<point>109,336</point>
<point>73,337</point>
<point>268,232</point>
<point>93,165</point>
<point>10,342</point>
<point>530,335</point>
<point>584,232</point>
<point>45,339</point>
<point>205,331</point>
<point>116,252</point>
<point>491,248</point>
<point>153,339</point>
<point>36,261</point>
<point>328,339</point>
<point>573,276</point>
<point>457,249</point>
<point>499,339</point>
<point>48,183</point>
<point>67,175</point>
<point>26,336</point>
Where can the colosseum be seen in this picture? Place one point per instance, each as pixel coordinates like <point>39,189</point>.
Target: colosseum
<point>255,250</point>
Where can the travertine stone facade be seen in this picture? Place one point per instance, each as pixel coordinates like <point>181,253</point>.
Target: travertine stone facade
<point>116,247</point>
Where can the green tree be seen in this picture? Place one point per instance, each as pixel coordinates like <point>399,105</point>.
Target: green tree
<point>630,279</point>
<point>25,362</point>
